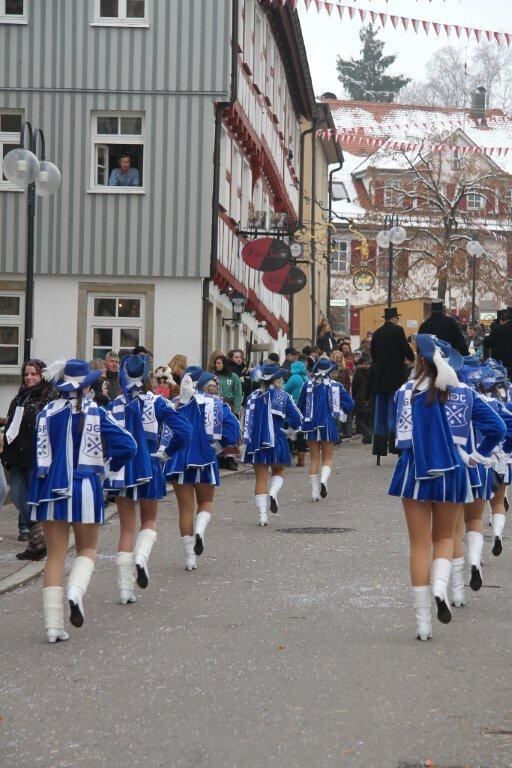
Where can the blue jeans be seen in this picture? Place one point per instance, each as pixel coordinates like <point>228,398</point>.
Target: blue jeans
<point>20,480</point>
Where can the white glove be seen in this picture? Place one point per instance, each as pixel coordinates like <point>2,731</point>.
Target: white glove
<point>291,434</point>
<point>186,389</point>
<point>160,455</point>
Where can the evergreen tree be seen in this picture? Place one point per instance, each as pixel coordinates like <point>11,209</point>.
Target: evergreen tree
<point>365,78</point>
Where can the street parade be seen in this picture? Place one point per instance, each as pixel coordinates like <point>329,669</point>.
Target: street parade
<point>255,383</point>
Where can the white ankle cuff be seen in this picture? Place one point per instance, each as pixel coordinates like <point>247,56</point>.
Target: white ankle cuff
<point>81,573</point>
<point>201,523</point>
<point>276,483</point>
<point>261,501</point>
<point>144,542</point>
<point>325,474</point>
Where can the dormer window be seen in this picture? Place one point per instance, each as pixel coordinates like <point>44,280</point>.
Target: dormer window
<point>475,201</point>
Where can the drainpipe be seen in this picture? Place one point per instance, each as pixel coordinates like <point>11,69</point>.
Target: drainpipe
<point>313,231</point>
<point>220,107</point>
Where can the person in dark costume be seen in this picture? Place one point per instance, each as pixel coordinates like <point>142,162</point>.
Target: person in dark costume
<point>389,351</point>
<point>498,344</point>
<point>444,327</point>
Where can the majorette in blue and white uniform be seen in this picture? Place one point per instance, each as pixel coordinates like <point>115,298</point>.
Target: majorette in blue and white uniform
<point>492,384</point>
<point>213,427</point>
<point>323,404</point>
<point>271,417</point>
<point>430,469</point>
<point>477,431</point>
<point>145,415</point>
<point>78,442</point>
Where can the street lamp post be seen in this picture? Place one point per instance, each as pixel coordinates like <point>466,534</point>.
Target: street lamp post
<point>475,250</point>
<point>22,167</point>
<point>392,234</point>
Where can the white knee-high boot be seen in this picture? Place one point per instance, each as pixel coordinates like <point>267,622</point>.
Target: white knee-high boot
<point>190,555</point>
<point>276,483</point>
<point>325,474</point>
<point>498,524</point>
<point>457,582</point>
<point>200,525</point>
<point>440,577</point>
<point>53,607</point>
<point>422,600</point>
<point>143,546</point>
<point>315,487</point>
<point>261,501</point>
<point>126,576</point>
<point>78,582</point>
<point>475,543</point>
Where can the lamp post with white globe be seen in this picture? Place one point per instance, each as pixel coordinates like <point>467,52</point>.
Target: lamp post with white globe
<point>392,234</point>
<point>475,250</point>
<point>22,167</point>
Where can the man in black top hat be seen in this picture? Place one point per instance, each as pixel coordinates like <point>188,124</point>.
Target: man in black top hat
<point>498,344</point>
<point>389,352</point>
<point>444,327</point>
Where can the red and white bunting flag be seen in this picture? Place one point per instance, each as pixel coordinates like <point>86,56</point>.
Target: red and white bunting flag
<point>508,37</point>
<point>394,21</point>
<point>351,12</point>
<point>458,29</point>
<point>341,10</point>
<point>329,7</point>
<point>478,34</point>
<point>362,14</point>
<point>373,16</point>
<point>437,27</point>
<point>497,37</point>
<point>426,26</point>
<point>319,5</point>
<point>415,24</point>
<point>405,22</point>
<point>468,31</point>
<point>307,3</point>
<point>448,29</point>
<point>383,17</point>
<point>505,151</point>
<point>490,35</point>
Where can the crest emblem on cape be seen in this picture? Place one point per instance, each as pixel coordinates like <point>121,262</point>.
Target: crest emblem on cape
<point>456,413</point>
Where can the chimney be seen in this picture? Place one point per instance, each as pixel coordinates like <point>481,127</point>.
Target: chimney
<point>478,102</point>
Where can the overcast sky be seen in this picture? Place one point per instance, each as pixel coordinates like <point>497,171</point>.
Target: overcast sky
<point>326,37</point>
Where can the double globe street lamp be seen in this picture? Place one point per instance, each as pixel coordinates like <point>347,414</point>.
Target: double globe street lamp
<point>475,250</point>
<point>392,234</point>
<point>23,168</point>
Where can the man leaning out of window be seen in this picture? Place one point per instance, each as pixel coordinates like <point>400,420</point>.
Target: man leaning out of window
<point>125,175</point>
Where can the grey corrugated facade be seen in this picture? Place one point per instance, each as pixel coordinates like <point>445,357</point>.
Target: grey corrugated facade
<point>59,69</point>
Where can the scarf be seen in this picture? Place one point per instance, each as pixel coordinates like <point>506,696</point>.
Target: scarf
<point>404,416</point>
<point>259,432</point>
<point>213,416</point>
<point>90,457</point>
<point>122,405</point>
<point>333,396</point>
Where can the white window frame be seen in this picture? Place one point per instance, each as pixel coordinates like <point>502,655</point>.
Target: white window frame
<point>13,18</point>
<point>9,138</point>
<point>115,323</point>
<point>471,199</point>
<point>99,140</point>
<point>339,259</point>
<point>14,321</point>
<point>391,196</point>
<point>121,20</point>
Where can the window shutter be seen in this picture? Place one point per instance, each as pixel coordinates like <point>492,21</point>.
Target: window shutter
<point>355,253</point>
<point>378,193</point>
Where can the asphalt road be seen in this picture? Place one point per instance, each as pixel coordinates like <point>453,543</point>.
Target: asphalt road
<point>283,649</point>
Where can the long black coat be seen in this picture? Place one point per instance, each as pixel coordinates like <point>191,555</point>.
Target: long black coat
<point>499,344</point>
<point>445,328</point>
<point>22,449</point>
<point>389,351</point>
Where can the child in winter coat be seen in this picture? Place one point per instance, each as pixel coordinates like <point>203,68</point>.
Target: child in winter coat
<point>362,398</point>
<point>294,384</point>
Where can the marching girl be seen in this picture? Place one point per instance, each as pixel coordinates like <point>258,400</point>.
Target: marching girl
<point>492,385</point>
<point>430,477</point>
<point>76,441</point>
<point>323,403</point>
<point>193,469</point>
<point>265,438</point>
<point>144,414</point>
<point>477,431</point>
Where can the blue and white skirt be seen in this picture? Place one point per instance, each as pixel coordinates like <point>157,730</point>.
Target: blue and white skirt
<point>328,434</point>
<point>453,486</point>
<point>482,491</point>
<point>154,490</point>
<point>85,505</point>
<point>278,455</point>
<point>197,476</point>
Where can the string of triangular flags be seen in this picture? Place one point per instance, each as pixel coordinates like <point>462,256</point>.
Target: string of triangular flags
<point>406,22</point>
<point>352,140</point>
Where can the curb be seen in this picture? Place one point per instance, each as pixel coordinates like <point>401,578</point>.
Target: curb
<point>32,570</point>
